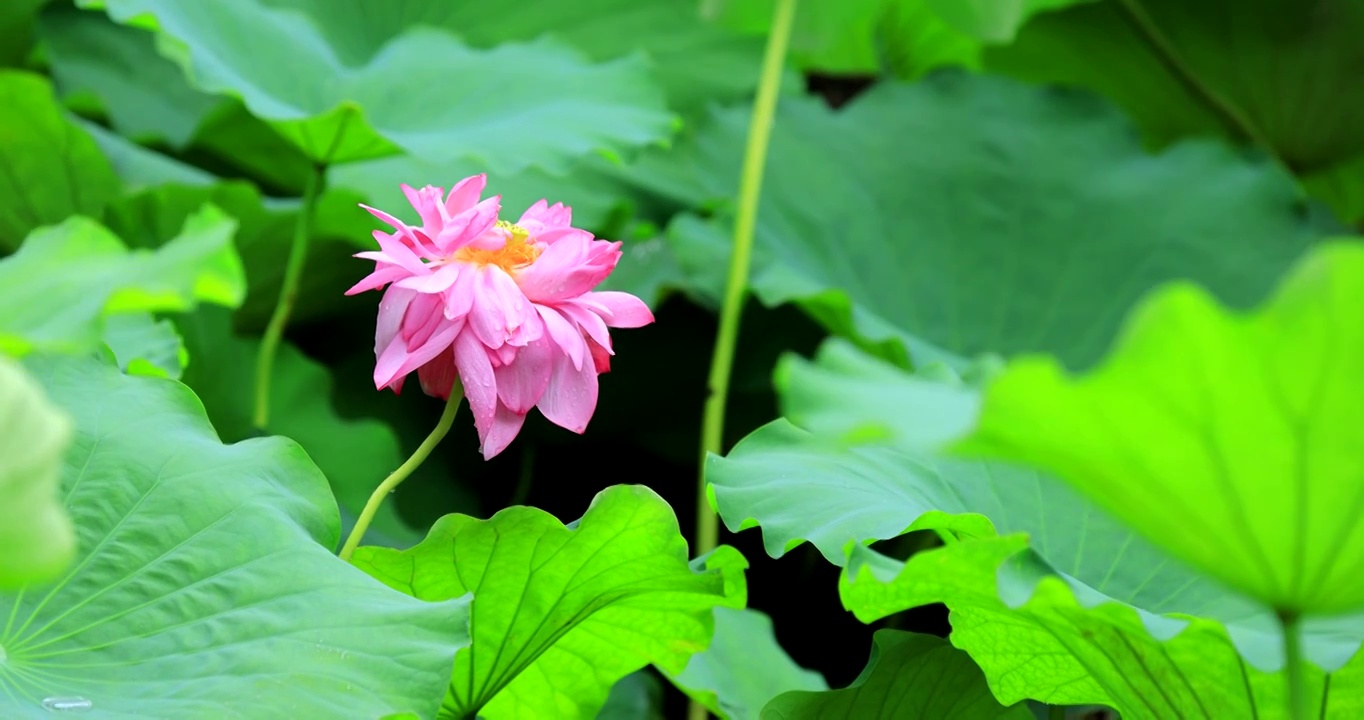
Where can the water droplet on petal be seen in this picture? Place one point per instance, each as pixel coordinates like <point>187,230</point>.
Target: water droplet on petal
<point>72,703</point>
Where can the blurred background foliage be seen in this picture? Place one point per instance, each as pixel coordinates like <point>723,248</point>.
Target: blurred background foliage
<point>946,178</point>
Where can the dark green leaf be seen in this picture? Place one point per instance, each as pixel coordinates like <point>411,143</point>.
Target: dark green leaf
<point>909,677</point>
<point>983,215</point>
<point>49,168</point>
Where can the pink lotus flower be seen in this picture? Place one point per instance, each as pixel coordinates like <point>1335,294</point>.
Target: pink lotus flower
<point>508,307</point>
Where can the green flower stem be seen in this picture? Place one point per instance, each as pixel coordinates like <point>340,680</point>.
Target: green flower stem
<point>1294,666</point>
<point>736,288</point>
<point>391,483</point>
<point>288,295</point>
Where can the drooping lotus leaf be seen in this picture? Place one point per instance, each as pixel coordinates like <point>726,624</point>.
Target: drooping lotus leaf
<point>561,613</point>
<point>1231,440</point>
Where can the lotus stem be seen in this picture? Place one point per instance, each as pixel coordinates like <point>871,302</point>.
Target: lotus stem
<point>1294,666</point>
<point>288,295</point>
<point>736,286</point>
<point>391,483</point>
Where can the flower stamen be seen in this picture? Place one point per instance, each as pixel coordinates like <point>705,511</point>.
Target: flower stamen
<point>518,252</point>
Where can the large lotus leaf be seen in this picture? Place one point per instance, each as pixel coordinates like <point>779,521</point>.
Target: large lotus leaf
<point>561,613</point>
<point>903,38</point>
<point>980,214</point>
<point>37,541</point>
<point>205,583</point>
<point>144,345</point>
<point>695,61</point>
<point>908,677</point>
<point>743,668</point>
<point>866,475</point>
<point>145,94</point>
<point>355,454</point>
<point>57,289</point>
<point>362,86</point>
<point>1189,68</point>
<point>52,168</point>
<point>1230,440</point>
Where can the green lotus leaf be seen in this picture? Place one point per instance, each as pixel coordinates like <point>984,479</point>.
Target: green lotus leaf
<point>205,582</point>
<point>561,613</point>
<point>1228,439</point>
<point>362,84</point>
<point>1180,70</point>
<point>143,345</point>
<point>743,668</point>
<point>1040,635</point>
<point>37,190</point>
<point>974,214</point>
<point>355,454</point>
<point>67,278</point>
<point>908,676</point>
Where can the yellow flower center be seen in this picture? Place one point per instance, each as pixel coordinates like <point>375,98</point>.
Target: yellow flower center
<point>517,253</point>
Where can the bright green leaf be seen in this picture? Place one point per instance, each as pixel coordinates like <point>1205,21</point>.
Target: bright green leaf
<point>1038,634</point>
<point>266,225</point>
<point>982,215</point>
<point>561,613</point>
<point>144,345</point>
<point>354,454</point>
<point>37,541</point>
<point>67,278</point>
<point>744,667</point>
<point>51,168</point>
<point>363,86</point>
<point>865,477</point>
<point>909,676</point>
<point>205,583</point>
<point>1229,440</point>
